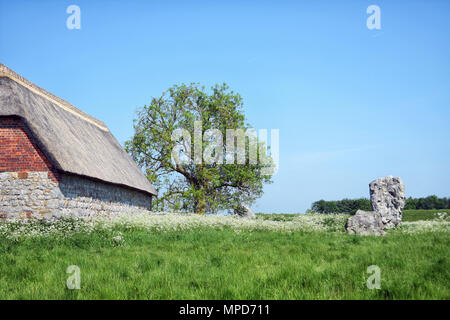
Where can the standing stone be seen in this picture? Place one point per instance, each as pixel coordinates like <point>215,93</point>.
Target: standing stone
<point>387,196</point>
<point>244,212</point>
<point>365,223</point>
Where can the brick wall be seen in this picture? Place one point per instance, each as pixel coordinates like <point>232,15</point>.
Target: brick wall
<point>19,151</point>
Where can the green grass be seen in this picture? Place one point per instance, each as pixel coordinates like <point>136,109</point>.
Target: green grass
<point>222,264</point>
<point>416,215</point>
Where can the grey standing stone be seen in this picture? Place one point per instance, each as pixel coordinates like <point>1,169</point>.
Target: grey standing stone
<point>387,196</point>
<point>365,223</point>
<point>244,212</point>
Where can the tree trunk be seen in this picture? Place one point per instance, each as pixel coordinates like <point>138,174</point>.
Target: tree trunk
<point>200,202</point>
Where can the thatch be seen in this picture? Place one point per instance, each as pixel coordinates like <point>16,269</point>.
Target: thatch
<point>72,140</point>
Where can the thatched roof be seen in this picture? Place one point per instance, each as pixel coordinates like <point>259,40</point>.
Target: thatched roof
<point>72,140</point>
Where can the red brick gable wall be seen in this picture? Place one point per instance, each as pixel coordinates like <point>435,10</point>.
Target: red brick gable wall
<point>19,152</point>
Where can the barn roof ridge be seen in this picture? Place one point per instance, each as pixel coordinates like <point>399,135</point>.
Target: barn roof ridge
<point>7,72</point>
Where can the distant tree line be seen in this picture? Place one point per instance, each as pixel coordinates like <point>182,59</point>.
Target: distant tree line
<point>341,206</point>
<point>430,202</point>
<point>352,205</point>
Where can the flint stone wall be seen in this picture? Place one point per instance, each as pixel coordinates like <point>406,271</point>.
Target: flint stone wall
<point>35,195</point>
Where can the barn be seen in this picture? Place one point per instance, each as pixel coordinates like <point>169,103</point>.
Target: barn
<point>56,160</point>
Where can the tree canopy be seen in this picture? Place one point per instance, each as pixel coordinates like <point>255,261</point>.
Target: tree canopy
<point>186,118</point>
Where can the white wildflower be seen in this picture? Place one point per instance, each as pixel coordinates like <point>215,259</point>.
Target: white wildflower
<point>176,222</point>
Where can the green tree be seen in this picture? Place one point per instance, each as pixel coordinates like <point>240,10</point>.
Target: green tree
<point>341,206</point>
<point>186,184</point>
<point>318,206</point>
<point>411,203</point>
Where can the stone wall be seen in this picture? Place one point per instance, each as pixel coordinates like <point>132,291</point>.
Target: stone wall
<point>36,195</point>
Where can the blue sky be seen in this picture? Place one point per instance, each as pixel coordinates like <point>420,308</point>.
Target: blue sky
<point>351,104</point>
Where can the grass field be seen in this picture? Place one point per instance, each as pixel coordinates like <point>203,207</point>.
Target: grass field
<point>416,215</point>
<point>130,261</point>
